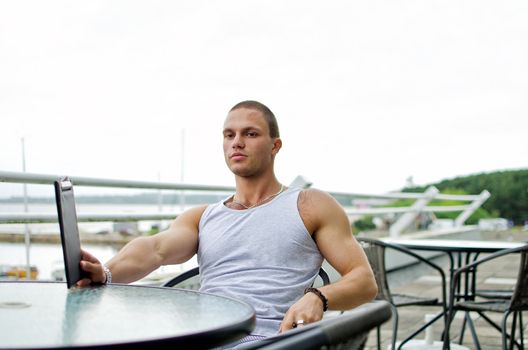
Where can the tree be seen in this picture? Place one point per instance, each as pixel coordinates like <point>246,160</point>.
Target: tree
<point>509,192</point>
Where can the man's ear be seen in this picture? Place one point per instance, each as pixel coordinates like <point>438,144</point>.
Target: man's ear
<point>277,145</point>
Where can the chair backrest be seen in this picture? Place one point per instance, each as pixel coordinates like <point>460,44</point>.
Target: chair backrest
<point>345,331</point>
<point>325,279</point>
<point>519,300</point>
<point>189,279</point>
<point>375,253</point>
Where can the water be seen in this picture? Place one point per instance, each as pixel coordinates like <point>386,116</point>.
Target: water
<point>48,257</point>
<point>91,227</point>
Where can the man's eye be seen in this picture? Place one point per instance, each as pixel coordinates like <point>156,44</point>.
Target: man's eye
<point>251,134</point>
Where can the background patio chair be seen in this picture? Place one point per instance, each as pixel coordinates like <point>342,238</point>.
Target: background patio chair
<point>517,302</point>
<point>494,293</point>
<point>346,331</point>
<point>376,251</point>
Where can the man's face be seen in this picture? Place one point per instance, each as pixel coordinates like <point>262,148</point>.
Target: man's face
<point>248,148</point>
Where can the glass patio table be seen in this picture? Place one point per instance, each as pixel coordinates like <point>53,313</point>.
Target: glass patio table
<point>38,315</point>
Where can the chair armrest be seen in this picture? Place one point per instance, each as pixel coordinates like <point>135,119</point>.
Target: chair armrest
<point>331,331</point>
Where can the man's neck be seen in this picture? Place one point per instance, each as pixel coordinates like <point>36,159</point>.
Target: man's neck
<point>250,191</point>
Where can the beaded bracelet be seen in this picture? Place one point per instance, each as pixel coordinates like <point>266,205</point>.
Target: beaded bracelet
<point>108,274</point>
<point>320,295</point>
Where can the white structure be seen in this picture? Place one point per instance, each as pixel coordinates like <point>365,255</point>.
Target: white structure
<point>497,224</point>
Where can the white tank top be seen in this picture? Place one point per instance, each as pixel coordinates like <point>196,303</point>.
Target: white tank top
<point>263,256</point>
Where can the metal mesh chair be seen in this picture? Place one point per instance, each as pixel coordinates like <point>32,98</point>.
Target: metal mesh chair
<point>347,331</point>
<point>186,276</point>
<point>494,293</point>
<point>375,251</point>
<point>517,302</point>
<point>188,279</point>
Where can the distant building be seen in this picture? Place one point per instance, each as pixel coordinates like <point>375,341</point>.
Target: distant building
<point>439,224</point>
<point>126,228</point>
<point>497,224</point>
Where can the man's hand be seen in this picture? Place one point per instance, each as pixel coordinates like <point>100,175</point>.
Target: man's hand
<point>92,268</point>
<point>308,309</point>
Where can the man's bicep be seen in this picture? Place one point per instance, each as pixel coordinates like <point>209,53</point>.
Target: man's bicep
<point>179,242</point>
<point>338,246</point>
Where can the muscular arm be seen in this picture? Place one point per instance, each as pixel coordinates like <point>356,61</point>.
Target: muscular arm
<point>330,228</point>
<point>143,255</point>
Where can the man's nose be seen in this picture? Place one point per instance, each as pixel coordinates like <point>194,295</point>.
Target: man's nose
<point>238,142</point>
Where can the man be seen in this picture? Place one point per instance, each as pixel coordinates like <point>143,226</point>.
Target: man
<point>264,244</point>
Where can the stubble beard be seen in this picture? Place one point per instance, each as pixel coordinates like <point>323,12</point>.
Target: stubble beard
<point>245,170</point>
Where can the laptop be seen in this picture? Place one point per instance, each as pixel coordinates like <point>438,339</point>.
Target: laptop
<point>69,231</point>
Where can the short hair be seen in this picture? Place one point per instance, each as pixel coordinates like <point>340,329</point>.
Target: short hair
<point>266,112</point>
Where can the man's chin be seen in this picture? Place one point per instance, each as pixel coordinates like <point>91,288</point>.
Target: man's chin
<point>242,172</point>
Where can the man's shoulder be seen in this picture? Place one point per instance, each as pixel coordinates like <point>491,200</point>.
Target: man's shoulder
<point>310,196</point>
<point>194,214</point>
<point>316,207</point>
<point>315,202</point>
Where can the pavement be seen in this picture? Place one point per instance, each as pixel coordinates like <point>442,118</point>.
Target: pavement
<point>502,273</point>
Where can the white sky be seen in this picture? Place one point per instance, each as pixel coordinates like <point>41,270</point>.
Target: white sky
<point>367,93</point>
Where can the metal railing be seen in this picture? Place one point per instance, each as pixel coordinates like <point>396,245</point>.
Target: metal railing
<point>406,214</point>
